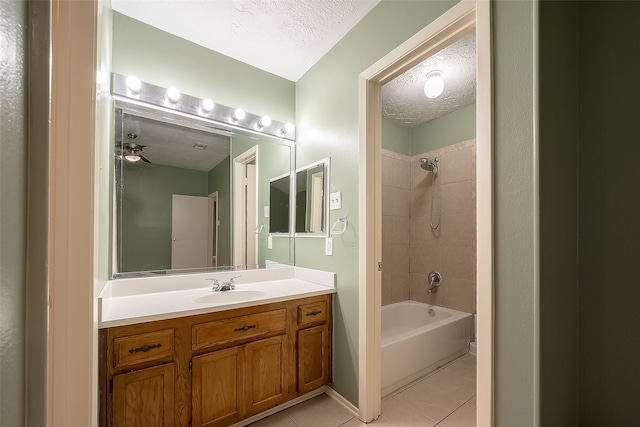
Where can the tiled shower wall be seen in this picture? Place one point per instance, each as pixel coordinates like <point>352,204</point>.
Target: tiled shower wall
<point>410,248</point>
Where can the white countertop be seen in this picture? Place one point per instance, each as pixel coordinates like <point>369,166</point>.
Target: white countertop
<point>138,300</point>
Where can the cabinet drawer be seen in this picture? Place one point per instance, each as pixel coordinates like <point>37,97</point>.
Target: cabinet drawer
<point>312,313</point>
<point>238,328</point>
<point>143,348</point>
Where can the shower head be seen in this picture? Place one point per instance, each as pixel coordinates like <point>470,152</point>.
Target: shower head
<point>429,164</point>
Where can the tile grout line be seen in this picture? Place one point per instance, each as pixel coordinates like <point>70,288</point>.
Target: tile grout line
<point>344,423</point>
<point>414,411</point>
<point>291,419</point>
<point>456,410</point>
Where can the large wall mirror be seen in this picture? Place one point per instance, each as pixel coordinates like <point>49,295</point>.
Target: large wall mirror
<point>192,193</point>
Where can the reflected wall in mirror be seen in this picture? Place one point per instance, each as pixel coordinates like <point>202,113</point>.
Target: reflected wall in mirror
<point>175,193</point>
<point>312,210</point>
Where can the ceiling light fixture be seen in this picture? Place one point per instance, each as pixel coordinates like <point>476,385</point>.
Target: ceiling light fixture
<point>173,94</point>
<point>132,157</point>
<point>435,84</point>
<point>131,87</point>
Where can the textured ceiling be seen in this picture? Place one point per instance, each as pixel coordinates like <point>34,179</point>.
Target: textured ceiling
<point>172,145</point>
<point>403,98</point>
<point>287,37</point>
<point>283,37</point>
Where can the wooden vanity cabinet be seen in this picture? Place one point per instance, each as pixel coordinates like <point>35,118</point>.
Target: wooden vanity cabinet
<point>314,345</point>
<point>214,369</point>
<point>144,397</point>
<point>235,383</point>
<point>218,387</point>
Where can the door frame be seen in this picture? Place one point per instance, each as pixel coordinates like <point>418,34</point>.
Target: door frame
<point>239,227</point>
<point>453,24</point>
<point>215,223</point>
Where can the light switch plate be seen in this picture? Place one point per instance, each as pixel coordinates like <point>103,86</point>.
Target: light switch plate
<point>270,242</point>
<point>335,200</point>
<point>328,246</point>
<point>266,211</point>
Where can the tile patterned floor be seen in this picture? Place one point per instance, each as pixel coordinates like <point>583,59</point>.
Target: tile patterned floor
<point>443,398</point>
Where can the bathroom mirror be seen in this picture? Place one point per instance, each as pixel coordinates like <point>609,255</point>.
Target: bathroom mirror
<point>311,208</point>
<point>192,194</point>
<point>280,204</point>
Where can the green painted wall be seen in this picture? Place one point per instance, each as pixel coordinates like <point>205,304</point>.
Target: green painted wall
<point>457,126</point>
<point>514,214</point>
<point>146,212</point>
<point>166,60</point>
<point>609,207</point>
<point>396,138</point>
<point>327,120</point>
<point>558,213</point>
<point>37,269</point>
<point>13,210</point>
<point>219,179</point>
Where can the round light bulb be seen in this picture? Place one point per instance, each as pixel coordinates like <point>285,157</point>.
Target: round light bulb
<point>289,127</point>
<point>134,84</point>
<point>173,94</point>
<point>239,114</point>
<point>435,84</point>
<point>207,104</point>
<point>265,121</point>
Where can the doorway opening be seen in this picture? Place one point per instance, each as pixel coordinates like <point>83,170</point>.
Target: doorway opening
<point>463,18</point>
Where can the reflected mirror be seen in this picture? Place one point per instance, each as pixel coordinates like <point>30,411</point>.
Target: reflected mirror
<point>191,194</point>
<point>279,204</point>
<point>312,187</point>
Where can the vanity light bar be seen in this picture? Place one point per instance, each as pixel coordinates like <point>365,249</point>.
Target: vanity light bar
<point>173,99</point>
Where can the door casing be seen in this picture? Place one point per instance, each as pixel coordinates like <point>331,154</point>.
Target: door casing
<point>458,21</point>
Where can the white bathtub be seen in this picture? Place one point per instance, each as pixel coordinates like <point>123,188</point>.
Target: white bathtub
<point>415,343</point>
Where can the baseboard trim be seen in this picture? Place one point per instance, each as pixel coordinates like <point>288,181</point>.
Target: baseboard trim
<point>341,400</point>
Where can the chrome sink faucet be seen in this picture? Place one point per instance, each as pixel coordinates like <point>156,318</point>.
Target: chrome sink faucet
<point>225,286</point>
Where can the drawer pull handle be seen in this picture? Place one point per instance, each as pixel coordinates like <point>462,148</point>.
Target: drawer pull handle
<point>314,313</point>
<point>145,348</point>
<point>245,328</point>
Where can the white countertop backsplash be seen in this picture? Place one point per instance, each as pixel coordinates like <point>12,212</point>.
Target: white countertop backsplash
<point>144,299</point>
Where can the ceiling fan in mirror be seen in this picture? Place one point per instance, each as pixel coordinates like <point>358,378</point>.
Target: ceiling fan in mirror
<point>131,151</point>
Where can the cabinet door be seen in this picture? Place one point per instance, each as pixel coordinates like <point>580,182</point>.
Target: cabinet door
<point>218,388</point>
<point>144,398</point>
<point>313,358</point>
<point>266,373</point>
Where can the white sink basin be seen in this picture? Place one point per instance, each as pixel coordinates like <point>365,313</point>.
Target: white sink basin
<point>236,295</point>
